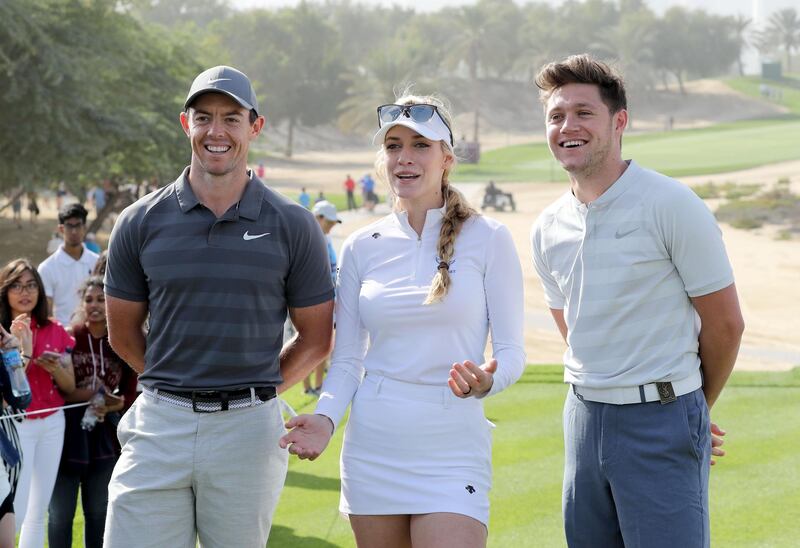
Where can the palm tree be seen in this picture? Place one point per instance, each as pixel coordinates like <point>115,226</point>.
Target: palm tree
<point>740,24</point>
<point>385,77</point>
<point>467,46</point>
<point>784,27</point>
<point>631,43</point>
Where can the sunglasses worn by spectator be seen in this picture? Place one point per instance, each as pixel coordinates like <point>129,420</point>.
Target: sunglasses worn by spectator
<point>420,113</point>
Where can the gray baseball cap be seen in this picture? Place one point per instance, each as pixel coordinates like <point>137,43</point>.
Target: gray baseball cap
<point>233,83</point>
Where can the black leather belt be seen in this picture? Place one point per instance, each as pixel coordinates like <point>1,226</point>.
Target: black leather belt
<point>223,398</point>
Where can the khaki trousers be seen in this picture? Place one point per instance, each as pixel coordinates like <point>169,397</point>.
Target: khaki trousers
<point>185,476</point>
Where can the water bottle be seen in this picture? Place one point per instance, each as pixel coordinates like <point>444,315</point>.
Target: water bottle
<point>90,416</point>
<point>12,361</point>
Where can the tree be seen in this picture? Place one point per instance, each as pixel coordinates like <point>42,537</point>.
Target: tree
<point>739,27</point>
<point>540,40</point>
<point>782,32</point>
<point>631,43</point>
<point>294,55</point>
<point>467,48</point>
<point>171,13</point>
<point>88,92</point>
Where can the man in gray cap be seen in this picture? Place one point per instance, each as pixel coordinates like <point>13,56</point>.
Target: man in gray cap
<point>215,259</point>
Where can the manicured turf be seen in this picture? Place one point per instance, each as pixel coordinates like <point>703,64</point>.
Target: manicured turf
<point>717,149</point>
<point>785,92</point>
<point>753,489</point>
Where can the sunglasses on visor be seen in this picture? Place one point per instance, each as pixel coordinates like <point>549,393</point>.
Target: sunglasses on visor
<point>420,113</point>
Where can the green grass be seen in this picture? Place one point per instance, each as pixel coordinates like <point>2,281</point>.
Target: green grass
<point>753,489</point>
<point>789,89</point>
<point>716,149</point>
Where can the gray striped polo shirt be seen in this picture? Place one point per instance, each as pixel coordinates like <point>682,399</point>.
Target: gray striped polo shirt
<point>624,269</point>
<point>217,288</point>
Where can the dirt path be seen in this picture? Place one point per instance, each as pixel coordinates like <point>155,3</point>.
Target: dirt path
<point>767,273</point>
<point>767,270</point>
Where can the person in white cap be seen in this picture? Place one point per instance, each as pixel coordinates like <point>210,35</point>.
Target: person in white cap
<point>327,217</point>
<point>418,293</point>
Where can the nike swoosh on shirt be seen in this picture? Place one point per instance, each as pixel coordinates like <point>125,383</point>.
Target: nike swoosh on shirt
<point>247,236</point>
<point>619,234</point>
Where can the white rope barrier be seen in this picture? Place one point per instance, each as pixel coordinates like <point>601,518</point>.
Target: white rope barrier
<point>39,411</point>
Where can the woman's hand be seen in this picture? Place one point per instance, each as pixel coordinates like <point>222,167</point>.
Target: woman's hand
<point>49,361</point>
<point>308,436</point>
<point>7,340</point>
<point>21,329</point>
<point>468,379</point>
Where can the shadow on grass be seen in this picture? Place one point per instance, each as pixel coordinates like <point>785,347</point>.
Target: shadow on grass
<point>310,481</point>
<point>284,536</point>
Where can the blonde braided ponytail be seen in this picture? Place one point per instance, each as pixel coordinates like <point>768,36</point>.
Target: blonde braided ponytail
<point>457,211</point>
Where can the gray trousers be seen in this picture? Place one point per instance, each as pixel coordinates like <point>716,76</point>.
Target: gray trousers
<point>185,475</point>
<point>637,475</point>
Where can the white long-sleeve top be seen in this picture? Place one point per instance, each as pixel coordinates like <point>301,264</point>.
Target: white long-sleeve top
<point>382,326</point>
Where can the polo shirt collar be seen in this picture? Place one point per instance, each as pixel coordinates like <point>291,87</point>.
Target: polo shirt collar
<point>186,197</point>
<point>65,258</point>
<point>433,219</point>
<point>252,198</point>
<point>613,192</point>
<point>620,185</point>
<point>249,203</point>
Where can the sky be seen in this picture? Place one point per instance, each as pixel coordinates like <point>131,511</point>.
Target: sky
<point>758,10</point>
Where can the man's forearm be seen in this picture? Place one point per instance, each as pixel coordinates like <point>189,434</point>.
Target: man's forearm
<point>718,353</point>
<point>721,328</point>
<point>299,358</point>
<point>717,364</point>
<point>130,347</point>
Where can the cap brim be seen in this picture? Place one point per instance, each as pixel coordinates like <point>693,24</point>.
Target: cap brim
<point>425,129</point>
<point>198,93</point>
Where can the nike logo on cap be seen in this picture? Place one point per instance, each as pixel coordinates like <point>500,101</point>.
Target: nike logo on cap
<point>247,236</point>
<point>215,80</point>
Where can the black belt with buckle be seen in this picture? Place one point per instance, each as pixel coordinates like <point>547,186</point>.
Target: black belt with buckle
<point>222,397</point>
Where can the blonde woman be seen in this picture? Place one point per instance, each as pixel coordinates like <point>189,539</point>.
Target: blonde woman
<point>417,295</point>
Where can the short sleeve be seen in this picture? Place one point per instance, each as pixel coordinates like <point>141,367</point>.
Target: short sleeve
<point>693,240</point>
<point>553,295</point>
<point>309,280</point>
<point>46,273</point>
<point>125,278</point>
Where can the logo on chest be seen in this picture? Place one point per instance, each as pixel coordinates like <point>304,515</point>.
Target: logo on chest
<point>440,264</point>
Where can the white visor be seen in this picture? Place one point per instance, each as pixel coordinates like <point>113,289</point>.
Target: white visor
<point>434,129</point>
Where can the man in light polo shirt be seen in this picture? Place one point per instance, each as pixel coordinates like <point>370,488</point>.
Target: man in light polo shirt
<point>215,259</point>
<point>637,279</point>
<point>67,268</point>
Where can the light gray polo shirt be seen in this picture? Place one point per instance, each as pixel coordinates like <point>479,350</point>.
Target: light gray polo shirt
<point>623,269</point>
<point>217,289</point>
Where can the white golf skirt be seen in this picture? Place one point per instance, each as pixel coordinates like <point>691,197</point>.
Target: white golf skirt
<point>415,449</point>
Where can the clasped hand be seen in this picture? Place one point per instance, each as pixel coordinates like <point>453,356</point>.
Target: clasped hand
<point>468,379</point>
<point>308,435</point>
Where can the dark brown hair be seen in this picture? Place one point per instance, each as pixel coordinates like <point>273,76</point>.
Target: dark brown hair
<point>11,273</point>
<point>100,266</point>
<point>583,69</point>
